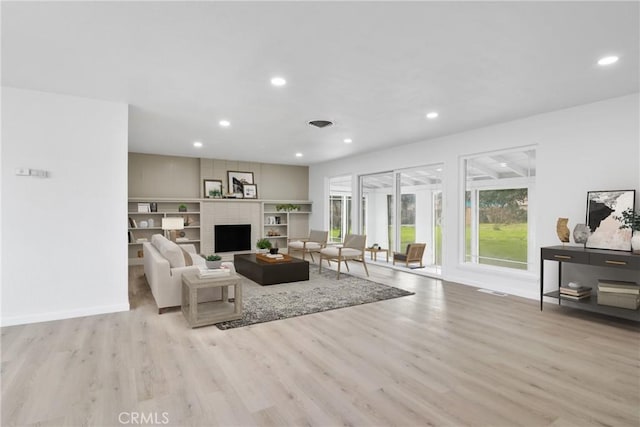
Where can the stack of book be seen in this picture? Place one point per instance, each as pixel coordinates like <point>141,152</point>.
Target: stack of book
<point>209,273</point>
<point>616,293</point>
<point>575,293</point>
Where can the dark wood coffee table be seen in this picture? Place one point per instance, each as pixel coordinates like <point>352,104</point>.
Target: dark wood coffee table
<point>267,273</point>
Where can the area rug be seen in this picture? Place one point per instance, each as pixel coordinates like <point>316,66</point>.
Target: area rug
<point>321,293</point>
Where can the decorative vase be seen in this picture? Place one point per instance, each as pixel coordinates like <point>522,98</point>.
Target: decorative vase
<point>273,251</point>
<point>150,222</point>
<point>562,230</point>
<point>581,233</point>
<point>143,224</point>
<point>153,207</point>
<point>182,209</point>
<point>635,242</point>
<point>213,264</point>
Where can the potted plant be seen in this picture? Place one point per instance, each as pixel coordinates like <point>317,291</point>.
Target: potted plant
<point>631,219</point>
<point>213,261</point>
<point>263,245</point>
<point>288,207</point>
<point>182,208</point>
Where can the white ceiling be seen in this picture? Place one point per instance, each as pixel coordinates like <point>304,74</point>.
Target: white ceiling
<point>374,69</point>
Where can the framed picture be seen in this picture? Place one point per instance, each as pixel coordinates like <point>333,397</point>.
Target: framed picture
<point>144,207</point>
<point>213,188</point>
<point>250,191</point>
<point>603,210</point>
<point>236,181</point>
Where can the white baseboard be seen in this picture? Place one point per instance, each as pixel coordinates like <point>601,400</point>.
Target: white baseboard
<point>59,315</point>
<point>511,290</point>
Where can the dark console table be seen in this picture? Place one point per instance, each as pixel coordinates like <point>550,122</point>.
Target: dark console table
<point>595,257</point>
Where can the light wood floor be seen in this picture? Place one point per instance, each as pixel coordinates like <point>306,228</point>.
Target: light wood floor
<point>448,355</point>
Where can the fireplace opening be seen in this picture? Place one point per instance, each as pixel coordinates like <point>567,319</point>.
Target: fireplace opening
<point>232,237</point>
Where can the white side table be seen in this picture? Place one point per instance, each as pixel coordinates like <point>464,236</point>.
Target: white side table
<point>208,313</point>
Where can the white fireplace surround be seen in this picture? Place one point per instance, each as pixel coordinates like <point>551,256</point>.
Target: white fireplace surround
<point>225,213</point>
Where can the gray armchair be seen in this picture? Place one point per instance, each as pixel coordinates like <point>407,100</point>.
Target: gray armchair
<point>351,249</point>
<point>316,241</point>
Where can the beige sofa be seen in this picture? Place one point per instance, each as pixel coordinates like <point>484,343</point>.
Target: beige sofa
<point>164,264</point>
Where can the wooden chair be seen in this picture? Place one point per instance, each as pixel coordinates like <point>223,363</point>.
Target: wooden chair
<point>351,249</point>
<point>414,253</point>
<point>316,241</point>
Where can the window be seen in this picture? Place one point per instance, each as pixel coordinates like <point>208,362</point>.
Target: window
<point>499,188</point>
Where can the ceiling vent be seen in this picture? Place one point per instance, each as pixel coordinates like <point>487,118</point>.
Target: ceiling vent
<point>320,123</point>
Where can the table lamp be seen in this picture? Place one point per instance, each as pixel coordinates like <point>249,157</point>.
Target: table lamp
<point>172,224</point>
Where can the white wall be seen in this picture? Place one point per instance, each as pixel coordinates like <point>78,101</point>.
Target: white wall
<point>589,147</point>
<point>64,244</point>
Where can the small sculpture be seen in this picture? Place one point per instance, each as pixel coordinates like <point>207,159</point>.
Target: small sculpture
<point>581,233</point>
<point>563,230</point>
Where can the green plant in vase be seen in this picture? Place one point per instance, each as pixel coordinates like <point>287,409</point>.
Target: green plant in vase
<point>263,245</point>
<point>213,261</point>
<point>631,219</point>
<point>182,208</point>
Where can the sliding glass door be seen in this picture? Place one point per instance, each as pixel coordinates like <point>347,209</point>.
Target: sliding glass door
<point>378,214</point>
<point>420,219</point>
<point>339,208</point>
<point>403,207</point>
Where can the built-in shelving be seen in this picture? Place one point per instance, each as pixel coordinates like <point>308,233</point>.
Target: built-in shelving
<point>281,222</point>
<point>138,233</point>
<point>292,223</point>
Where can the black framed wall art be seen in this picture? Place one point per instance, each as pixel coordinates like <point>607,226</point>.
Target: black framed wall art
<point>604,208</point>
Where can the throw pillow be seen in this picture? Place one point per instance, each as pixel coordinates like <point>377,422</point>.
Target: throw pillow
<point>188,261</point>
<point>172,253</point>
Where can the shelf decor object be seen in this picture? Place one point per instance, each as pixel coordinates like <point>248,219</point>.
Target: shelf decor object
<point>581,233</point>
<point>604,208</point>
<point>236,181</point>
<point>563,230</point>
<point>250,191</point>
<point>171,225</point>
<point>213,188</point>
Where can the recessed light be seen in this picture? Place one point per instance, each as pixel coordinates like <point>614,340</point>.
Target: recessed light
<point>298,154</point>
<point>503,164</point>
<point>432,115</point>
<point>608,60</point>
<point>224,123</point>
<point>439,170</point>
<point>348,140</point>
<point>197,144</point>
<point>278,81</point>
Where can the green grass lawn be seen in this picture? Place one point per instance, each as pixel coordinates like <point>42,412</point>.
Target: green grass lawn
<point>507,242</point>
<point>334,236</point>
